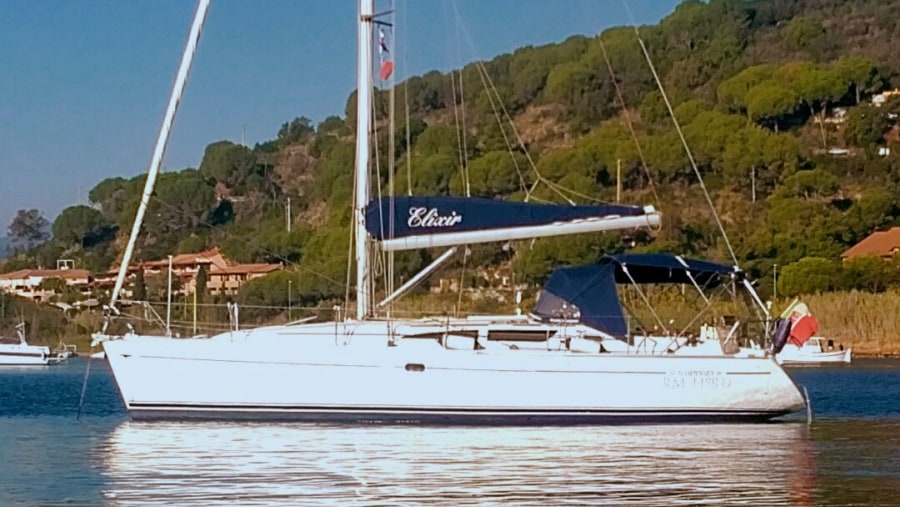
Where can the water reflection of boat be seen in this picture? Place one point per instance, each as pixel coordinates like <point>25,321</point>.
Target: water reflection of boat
<point>287,464</point>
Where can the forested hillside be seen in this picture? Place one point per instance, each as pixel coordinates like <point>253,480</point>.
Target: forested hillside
<point>757,87</point>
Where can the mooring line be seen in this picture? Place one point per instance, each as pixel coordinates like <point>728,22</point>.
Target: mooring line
<point>87,372</point>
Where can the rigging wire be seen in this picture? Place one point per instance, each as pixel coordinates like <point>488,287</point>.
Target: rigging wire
<point>460,123</point>
<point>627,116</point>
<point>463,157</point>
<point>380,265</point>
<point>408,141</point>
<point>460,128</point>
<point>502,115</point>
<point>687,150</point>
<point>392,154</point>
<point>465,147</point>
<point>481,74</point>
<point>406,111</point>
<point>492,93</point>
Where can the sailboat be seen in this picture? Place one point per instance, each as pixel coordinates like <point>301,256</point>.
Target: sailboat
<point>22,354</point>
<point>515,370</point>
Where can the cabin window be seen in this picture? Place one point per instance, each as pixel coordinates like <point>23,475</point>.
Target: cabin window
<point>514,335</point>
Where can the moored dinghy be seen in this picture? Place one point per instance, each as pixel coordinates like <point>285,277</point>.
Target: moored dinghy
<point>814,351</point>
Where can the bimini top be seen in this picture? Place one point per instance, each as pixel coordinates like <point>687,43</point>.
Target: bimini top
<point>589,294</point>
<point>400,222</point>
<point>662,268</point>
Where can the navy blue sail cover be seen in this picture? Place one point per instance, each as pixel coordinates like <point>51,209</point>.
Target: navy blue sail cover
<point>589,293</point>
<point>412,216</point>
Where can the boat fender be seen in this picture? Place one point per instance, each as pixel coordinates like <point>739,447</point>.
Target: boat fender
<point>782,331</point>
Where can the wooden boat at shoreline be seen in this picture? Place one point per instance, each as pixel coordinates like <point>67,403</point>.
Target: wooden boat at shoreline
<point>816,350</point>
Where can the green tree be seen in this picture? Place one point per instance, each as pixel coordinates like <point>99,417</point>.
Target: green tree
<point>29,227</point>
<point>582,89</point>
<point>182,207</point>
<point>872,211</point>
<point>496,173</point>
<point>770,103</point>
<point>803,32</point>
<point>865,126</point>
<point>432,175</point>
<point>80,225</point>
<point>232,165</point>
<point>666,156</point>
<point>803,227</point>
<point>437,140</point>
<point>744,160</point>
<point>817,87</point>
<point>809,275</point>
<point>860,72</point>
<point>866,272</point>
<point>812,184</point>
<point>733,91</point>
<point>140,286</point>
<point>708,136</point>
<point>530,66</point>
<point>111,195</point>
<point>201,282</point>
<point>331,125</point>
<point>298,129</point>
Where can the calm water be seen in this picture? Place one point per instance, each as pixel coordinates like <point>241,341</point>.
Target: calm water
<point>850,455</point>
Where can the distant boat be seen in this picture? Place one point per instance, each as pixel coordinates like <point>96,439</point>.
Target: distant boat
<point>816,350</point>
<point>23,354</point>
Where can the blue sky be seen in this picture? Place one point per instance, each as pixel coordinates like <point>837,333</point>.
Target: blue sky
<point>84,83</point>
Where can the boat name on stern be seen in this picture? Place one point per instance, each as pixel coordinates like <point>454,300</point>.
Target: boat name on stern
<point>696,379</point>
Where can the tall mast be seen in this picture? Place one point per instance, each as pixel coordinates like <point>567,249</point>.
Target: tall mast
<point>363,122</point>
<point>187,58</point>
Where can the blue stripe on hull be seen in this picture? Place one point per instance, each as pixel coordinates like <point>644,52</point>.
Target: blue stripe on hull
<point>459,417</point>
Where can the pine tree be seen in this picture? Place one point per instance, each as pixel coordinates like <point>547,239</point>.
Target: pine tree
<point>200,286</point>
<point>140,287</point>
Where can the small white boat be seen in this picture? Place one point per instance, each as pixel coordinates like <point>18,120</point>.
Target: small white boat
<point>816,350</point>
<point>23,354</point>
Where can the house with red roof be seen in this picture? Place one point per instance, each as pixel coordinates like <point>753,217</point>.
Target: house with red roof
<point>223,275</point>
<point>882,244</point>
<point>27,282</point>
<point>229,279</point>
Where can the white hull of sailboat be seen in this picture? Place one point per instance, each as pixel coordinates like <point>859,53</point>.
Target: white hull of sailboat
<point>24,355</point>
<point>304,373</point>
